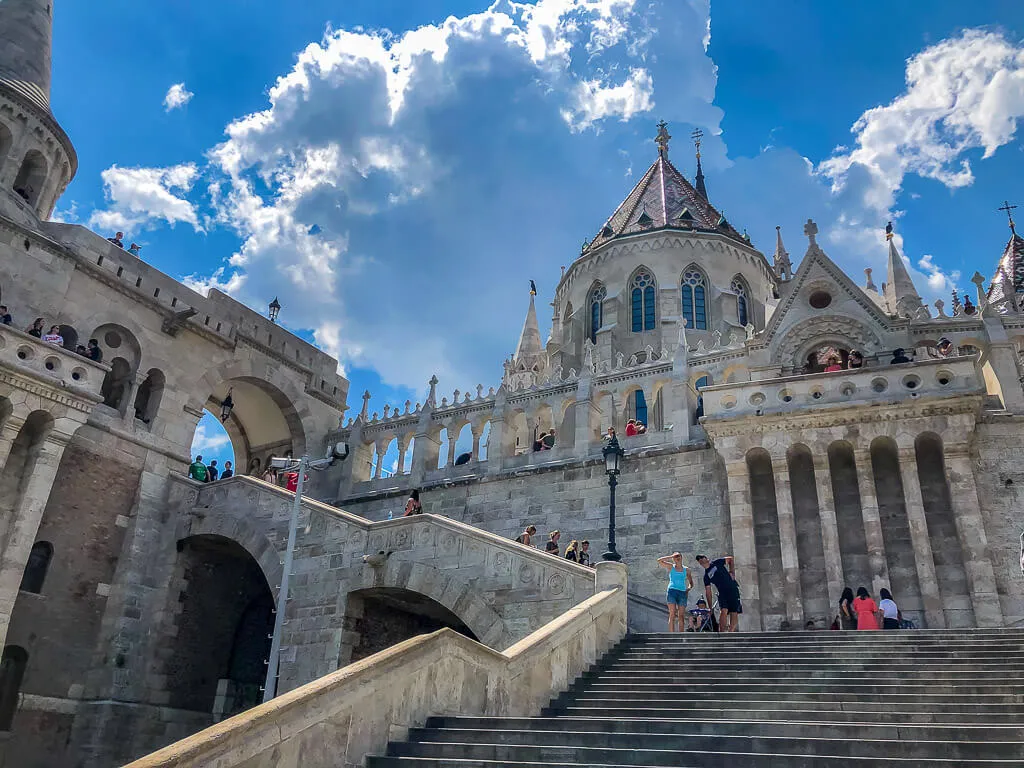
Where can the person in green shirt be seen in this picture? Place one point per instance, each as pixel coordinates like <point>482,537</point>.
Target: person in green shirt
<point>197,470</point>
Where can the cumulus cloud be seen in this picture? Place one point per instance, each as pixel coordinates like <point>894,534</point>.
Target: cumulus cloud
<point>209,438</point>
<point>177,97</point>
<point>963,94</point>
<point>143,196</point>
<point>939,281</point>
<point>593,101</point>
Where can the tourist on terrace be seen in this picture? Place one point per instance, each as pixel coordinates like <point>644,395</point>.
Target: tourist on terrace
<point>866,610</point>
<point>5,316</point>
<point>228,472</point>
<point>572,552</point>
<point>54,337</point>
<point>413,505</point>
<point>847,616</point>
<point>134,249</point>
<point>93,351</point>
<point>197,470</point>
<point>584,553</point>
<point>548,442</point>
<point>36,329</point>
<point>720,573</point>
<point>680,581</point>
<point>526,537</point>
<point>856,359</point>
<point>833,364</point>
<point>81,350</point>
<point>889,610</point>
<point>945,347</point>
<point>631,430</point>
<point>969,308</point>
<point>270,476</point>
<point>538,444</point>
<point>899,356</point>
<point>117,240</point>
<point>212,471</point>
<point>552,543</point>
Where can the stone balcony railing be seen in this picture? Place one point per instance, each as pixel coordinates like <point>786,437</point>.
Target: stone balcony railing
<point>864,386</point>
<point>26,363</point>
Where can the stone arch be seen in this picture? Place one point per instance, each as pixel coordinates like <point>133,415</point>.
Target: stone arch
<point>6,142</point>
<point>456,594</point>
<point>799,341</point>
<point>642,297</point>
<point>21,460</point>
<point>244,534</point>
<point>744,305</point>
<point>767,541</point>
<point>736,373</point>
<point>695,297</point>
<point>567,336</point>
<point>12,672</point>
<point>31,178</point>
<point>270,414</point>
<point>595,309</point>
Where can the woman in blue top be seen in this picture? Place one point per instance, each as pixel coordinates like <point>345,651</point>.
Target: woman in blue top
<point>679,583</point>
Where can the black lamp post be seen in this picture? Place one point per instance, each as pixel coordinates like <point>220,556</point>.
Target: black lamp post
<point>226,406</point>
<point>612,455</point>
<point>275,310</point>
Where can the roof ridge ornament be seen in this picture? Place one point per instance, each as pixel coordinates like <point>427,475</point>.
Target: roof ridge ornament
<point>697,135</point>
<point>1009,214</point>
<point>662,140</point>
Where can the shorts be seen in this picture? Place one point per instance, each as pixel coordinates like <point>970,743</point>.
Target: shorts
<point>676,597</point>
<point>729,599</point>
<point>890,623</point>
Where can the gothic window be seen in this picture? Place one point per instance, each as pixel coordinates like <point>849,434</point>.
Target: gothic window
<point>702,382</point>
<point>35,570</point>
<point>12,670</point>
<point>31,177</point>
<point>694,293</point>
<point>597,296</point>
<point>740,289</point>
<point>642,297</point>
<point>640,403</point>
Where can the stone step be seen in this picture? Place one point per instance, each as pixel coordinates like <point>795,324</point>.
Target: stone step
<point>786,686</point>
<point>739,693</point>
<point>823,703</point>
<point>825,635</point>
<point>952,731</point>
<point>702,751</point>
<point>938,673</point>
<point>694,761</point>
<point>823,640</point>
<point>821,653</point>
<point>754,666</point>
<point>774,711</point>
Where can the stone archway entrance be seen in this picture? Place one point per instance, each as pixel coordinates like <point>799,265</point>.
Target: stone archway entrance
<point>224,617</point>
<point>379,617</point>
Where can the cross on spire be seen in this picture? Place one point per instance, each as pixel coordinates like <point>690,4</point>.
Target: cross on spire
<point>662,139</point>
<point>1009,213</point>
<point>697,135</point>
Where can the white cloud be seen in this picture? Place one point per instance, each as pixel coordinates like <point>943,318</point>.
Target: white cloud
<point>938,280</point>
<point>593,101</point>
<point>177,97</point>
<point>208,438</point>
<point>142,196</point>
<point>963,94</point>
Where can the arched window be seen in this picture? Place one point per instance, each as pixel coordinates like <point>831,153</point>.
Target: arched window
<point>642,296</point>
<point>702,382</point>
<point>6,142</point>
<point>149,395</point>
<point>694,293</point>
<point>640,407</point>
<point>597,297</point>
<point>739,287</point>
<point>12,670</point>
<point>35,570</point>
<point>31,177</point>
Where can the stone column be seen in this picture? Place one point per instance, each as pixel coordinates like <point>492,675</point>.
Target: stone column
<point>787,539</point>
<point>829,530</point>
<point>476,445</point>
<point>971,530</point>
<point>25,518</point>
<point>741,523</point>
<point>451,448</point>
<point>380,460</point>
<point>8,434</point>
<point>402,448</point>
<point>924,560</point>
<point>872,521</point>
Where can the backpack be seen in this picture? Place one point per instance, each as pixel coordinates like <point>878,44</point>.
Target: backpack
<point>519,539</point>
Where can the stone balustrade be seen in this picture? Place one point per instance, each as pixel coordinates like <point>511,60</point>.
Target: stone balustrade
<point>927,378</point>
<point>344,716</point>
<point>52,367</point>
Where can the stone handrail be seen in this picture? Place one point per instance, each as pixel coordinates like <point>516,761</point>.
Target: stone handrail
<point>341,718</point>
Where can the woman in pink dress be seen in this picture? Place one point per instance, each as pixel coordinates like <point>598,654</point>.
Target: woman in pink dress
<point>866,610</point>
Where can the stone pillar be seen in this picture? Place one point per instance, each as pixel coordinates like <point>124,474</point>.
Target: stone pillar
<point>451,448</point>
<point>829,530</point>
<point>476,445</point>
<point>402,448</point>
<point>971,530</point>
<point>924,560</point>
<point>741,523</point>
<point>25,518</point>
<point>8,434</point>
<point>787,539</point>
<point>379,456</point>
<point>872,521</point>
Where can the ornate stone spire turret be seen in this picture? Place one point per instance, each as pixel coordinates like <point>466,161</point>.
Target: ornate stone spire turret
<point>901,297</point>
<point>783,266</point>
<point>869,283</point>
<point>1008,279</point>
<point>530,360</point>
<point>702,190</point>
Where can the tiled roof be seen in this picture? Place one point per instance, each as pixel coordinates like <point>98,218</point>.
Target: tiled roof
<point>1011,265</point>
<point>663,199</point>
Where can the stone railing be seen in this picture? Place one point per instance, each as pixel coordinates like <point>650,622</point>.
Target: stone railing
<point>56,367</point>
<point>928,378</point>
<point>336,721</point>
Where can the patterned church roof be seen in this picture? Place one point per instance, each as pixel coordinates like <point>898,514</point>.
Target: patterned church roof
<point>663,199</point>
<point>1011,266</point>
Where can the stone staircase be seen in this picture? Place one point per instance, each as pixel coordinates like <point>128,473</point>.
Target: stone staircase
<point>764,700</point>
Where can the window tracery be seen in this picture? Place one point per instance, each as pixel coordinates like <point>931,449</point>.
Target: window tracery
<point>694,299</point>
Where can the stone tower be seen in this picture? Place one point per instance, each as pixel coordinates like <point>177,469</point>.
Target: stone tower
<point>37,159</point>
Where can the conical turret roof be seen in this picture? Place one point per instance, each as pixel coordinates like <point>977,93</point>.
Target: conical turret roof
<point>900,293</point>
<point>529,340</point>
<point>1010,270</point>
<point>664,199</point>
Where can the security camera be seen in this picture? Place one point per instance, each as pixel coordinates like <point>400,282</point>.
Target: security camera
<point>338,451</point>
<point>377,560</point>
<point>279,462</point>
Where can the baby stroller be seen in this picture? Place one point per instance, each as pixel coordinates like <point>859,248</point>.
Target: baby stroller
<point>702,619</point>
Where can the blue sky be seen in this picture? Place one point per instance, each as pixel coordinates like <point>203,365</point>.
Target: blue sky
<point>398,171</point>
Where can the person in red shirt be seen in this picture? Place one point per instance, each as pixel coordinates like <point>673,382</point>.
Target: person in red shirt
<point>631,428</point>
<point>292,481</point>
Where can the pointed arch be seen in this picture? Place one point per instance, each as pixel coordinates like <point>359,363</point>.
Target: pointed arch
<point>739,286</point>
<point>643,292</point>
<point>567,325</point>
<point>595,303</point>
<point>694,293</point>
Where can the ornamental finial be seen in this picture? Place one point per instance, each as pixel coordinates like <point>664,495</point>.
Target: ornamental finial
<point>662,140</point>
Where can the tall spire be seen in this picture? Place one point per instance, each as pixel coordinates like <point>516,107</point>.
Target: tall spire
<point>781,262</point>
<point>26,35</point>
<point>1008,281</point>
<point>530,360</point>
<point>901,296</point>
<point>697,135</point>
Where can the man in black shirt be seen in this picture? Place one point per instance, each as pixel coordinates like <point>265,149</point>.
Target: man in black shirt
<point>720,574</point>
<point>93,351</point>
<point>5,316</point>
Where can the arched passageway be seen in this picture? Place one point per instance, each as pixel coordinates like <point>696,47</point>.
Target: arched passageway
<point>380,617</point>
<point>224,617</point>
